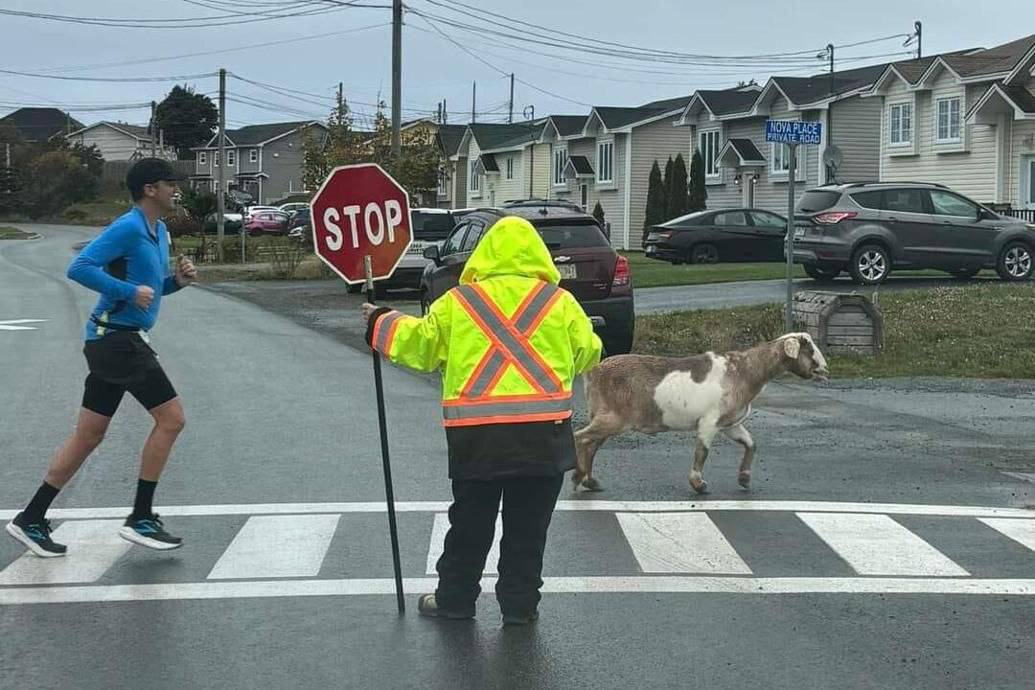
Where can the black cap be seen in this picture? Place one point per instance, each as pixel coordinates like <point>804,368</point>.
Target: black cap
<point>151,170</point>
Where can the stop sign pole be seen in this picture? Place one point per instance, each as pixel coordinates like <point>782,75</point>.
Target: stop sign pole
<point>361,228</point>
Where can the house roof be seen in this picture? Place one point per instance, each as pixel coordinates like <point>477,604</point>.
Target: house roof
<point>137,131</point>
<point>803,90</point>
<point>257,134</point>
<point>619,117</point>
<point>568,125</point>
<point>40,124</point>
<point>579,166</point>
<point>741,152</point>
<point>449,138</point>
<point>1003,98</point>
<point>496,136</point>
<point>996,60</point>
<point>487,164</point>
<point>728,101</point>
<point>1021,97</point>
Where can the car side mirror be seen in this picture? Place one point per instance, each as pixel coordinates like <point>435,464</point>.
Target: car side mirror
<point>432,254</point>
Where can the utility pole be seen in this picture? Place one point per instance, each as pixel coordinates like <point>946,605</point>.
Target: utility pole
<point>445,112</point>
<point>474,98</point>
<point>830,54</point>
<point>153,127</point>
<point>510,116</point>
<point>531,154</point>
<point>397,18</point>
<point>919,39</point>
<point>221,172</point>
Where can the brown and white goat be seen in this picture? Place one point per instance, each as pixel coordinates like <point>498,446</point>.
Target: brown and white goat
<point>705,393</point>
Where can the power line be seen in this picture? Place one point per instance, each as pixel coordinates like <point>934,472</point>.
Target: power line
<point>180,77</point>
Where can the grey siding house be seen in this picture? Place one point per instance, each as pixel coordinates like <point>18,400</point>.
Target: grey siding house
<point>452,174</point>
<point>743,170</point>
<point>264,161</point>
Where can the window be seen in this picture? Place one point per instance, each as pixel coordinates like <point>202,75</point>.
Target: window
<point>560,159</point>
<point>708,145</point>
<point>473,235</point>
<point>474,180</point>
<point>869,200</point>
<point>442,175</point>
<point>816,200</point>
<point>606,161</point>
<point>948,120</point>
<point>202,158</point>
<point>768,220</point>
<point>946,204</point>
<point>731,218</point>
<point>215,159</point>
<point>510,167</point>
<point>572,234</point>
<point>253,156</point>
<point>231,159</point>
<point>902,124</point>
<point>904,200</point>
<point>780,160</point>
<point>455,241</point>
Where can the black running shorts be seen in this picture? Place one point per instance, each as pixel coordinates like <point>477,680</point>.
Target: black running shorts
<point>119,362</point>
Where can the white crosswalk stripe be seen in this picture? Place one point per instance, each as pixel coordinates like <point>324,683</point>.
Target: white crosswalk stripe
<point>277,546</point>
<point>98,546</point>
<point>877,545</point>
<point>680,543</point>
<point>1021,531</point>
<point>438,541</point>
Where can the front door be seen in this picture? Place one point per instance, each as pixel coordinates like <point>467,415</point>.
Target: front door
<point>1028,182</point>
<point>965,238</point>
<point>904,212</point>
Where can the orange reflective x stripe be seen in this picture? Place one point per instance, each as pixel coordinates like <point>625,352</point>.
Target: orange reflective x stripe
<point>384,331</point>
<point>509,340</point>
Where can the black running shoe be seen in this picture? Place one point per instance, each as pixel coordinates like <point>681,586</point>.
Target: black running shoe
<point>35,536</point>
<point>149,531</point>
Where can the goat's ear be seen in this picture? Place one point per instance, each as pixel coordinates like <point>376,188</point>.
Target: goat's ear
<point>791,347</point>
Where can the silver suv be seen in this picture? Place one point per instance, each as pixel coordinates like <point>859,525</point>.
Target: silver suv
<point>870,228</point>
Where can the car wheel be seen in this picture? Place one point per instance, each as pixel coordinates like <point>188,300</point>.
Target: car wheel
<point>964,273</point>
<point>704,254</point>
<point>870,264</point>
<point>821,274</point>
<point>1015,262</point>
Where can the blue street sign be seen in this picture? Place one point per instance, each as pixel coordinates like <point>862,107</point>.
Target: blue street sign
<point>789,132</point>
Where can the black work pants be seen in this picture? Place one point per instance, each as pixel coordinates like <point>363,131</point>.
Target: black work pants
<point>528,504</point>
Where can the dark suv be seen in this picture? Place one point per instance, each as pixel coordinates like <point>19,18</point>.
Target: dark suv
<point>871,228</point>
<point>591,269</point>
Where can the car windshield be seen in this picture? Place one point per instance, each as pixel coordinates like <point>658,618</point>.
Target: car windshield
<point>571,234</point>
<point>431,226</point>
<point>815,200</point>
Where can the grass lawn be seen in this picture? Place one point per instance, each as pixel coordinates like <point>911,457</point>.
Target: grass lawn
<point>653,273</point>
<point>9,233</point>
<point>980,331</point>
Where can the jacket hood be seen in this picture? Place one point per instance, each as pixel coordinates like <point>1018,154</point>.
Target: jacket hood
<point>511,247</point>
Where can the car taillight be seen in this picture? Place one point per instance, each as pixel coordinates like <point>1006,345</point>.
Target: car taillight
<point>623,275</point>
<point>833,217</point>
<point>662,235</point>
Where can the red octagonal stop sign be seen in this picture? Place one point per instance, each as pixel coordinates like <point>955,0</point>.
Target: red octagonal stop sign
<point>359,211</point>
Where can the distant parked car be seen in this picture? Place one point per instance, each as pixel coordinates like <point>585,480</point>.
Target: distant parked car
<point>298,217</point>
<point>294,206</point>
<point>250,211</point>
<point>232,223</point>
<point>726,235</point>
<point>871,228</point>
<point>429,226</point>
<point>267,223</point>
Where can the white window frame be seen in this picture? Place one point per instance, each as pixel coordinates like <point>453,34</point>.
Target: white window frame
<point>779,155</point>
<point>253,155</point>
<point>903,142</point>
<point>215,159</point>
<point>231,159</point>
<point>938,139</point>
<point>202,157</point>
<point>607,145</point>
<point>474,182</point>
<point>509,167</point>
<point>712,151</point>
<point>560,152</point>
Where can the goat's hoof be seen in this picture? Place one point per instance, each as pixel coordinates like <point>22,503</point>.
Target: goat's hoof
<point>591,484</point>
<point>576,479</point>
<point>744,479</point>
<point>699,485</point>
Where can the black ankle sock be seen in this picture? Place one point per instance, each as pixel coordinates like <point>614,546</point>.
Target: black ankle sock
<point>37,508</point>
<point>145,494</point>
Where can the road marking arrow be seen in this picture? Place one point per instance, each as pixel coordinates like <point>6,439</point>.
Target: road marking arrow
<point>13,325</point>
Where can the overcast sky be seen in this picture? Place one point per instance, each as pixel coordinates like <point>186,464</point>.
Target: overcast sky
<point>359,54</point>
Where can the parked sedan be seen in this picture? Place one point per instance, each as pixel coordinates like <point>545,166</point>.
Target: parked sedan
<point>298,217</point>
<point>708,237</point>
<point>267,223</point>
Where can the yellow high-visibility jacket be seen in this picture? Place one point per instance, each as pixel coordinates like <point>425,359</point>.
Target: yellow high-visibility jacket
<point>508,340</point>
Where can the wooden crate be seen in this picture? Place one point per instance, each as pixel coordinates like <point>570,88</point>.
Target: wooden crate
<point>840,324</point>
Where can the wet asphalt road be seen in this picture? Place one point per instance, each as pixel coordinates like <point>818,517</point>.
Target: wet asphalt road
<point>279,408</point>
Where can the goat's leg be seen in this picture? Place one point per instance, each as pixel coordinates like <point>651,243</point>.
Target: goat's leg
<point>706,430</point>
<point>740,435</point>
<point>587,443</point>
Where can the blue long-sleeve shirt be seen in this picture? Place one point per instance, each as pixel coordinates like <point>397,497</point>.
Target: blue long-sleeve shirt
<point>122,257</point>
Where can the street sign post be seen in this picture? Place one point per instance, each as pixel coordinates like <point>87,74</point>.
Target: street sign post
<point>793,134</point>
<point>361,229</point>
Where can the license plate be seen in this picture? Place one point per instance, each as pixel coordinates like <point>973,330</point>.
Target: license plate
<point>567,271</point>
<point>417,248</point>
<point>799,232</point>
<point>651,250</point>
